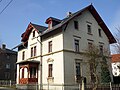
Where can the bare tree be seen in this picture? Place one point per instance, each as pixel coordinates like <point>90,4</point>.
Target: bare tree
<point>95,58</point>
<point>117,37</point>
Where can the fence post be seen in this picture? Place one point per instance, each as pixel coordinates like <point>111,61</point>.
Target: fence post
<point>79,86</point>
<point>83,86</point>
<point>10,83</point>
<point>110,86</point>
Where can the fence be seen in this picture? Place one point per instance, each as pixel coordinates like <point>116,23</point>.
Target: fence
<point>7,83</point>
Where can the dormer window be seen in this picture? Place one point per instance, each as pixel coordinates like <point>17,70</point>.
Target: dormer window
<point>76,24</point>
<point>33,33</point>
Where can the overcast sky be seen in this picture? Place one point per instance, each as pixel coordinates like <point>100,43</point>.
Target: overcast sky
<point>16,17</point>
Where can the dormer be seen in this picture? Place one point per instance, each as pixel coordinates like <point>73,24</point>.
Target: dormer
<point>52,22</point>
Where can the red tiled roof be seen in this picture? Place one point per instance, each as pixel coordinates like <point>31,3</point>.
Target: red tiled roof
<point>115,58</point>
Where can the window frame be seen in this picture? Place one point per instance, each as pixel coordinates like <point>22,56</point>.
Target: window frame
<point>23,55</point>
<point>35,50</point>
<point>50,70</point>
<point>31,51</point>
<point>34,33</point>
<point>50,46</point>
<point>76,25</point>
<point>100,32</point>
<point>76,45</point>
<point>89,29</point>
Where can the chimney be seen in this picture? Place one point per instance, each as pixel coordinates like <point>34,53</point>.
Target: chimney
<point>69,14</point>
<point>3,46</point>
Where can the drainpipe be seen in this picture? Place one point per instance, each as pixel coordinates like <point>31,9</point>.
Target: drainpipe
<point>40,41</point>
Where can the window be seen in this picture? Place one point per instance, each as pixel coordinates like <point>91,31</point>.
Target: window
<point>76,24</point>
<point>90,45</point>
<point>35,51</point>
<point>76,45</point>
<point>101,49</point>
<point>33,72</point>
<point>7,75</point>
<point>50,46</point>
<point>78,72</point>
<point>8,56</point>
<point>23,73</point>
<point>23,55</point>
<point>99,31</point>
<point>89,29</point>
<point>50,68</point>
<point>7,66</point>
<point>32,52</point>
<point>33,33</point>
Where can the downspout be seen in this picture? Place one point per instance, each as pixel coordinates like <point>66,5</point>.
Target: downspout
<point>40,41</point>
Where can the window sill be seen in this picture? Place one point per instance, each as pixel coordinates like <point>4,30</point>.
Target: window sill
<point>89,33</point>
<point>50,79</point>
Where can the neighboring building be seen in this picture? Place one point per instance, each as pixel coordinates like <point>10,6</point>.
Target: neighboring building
<point>8,66</point>
<point>116,65</point>
<point>54,54</point>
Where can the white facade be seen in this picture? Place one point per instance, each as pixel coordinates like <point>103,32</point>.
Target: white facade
<point>63,57</point>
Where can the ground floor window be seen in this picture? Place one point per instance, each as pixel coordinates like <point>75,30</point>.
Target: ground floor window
<point>50,69</point>
<point>78,71</point>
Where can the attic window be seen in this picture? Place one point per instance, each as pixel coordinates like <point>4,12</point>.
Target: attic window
<point>99,31</point>
<point>76,24</point>
<point>33,33</point>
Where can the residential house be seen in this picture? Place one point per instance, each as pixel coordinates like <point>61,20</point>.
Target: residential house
<point>116,68</point>
<point>54,54</point>
<point>8,65</point>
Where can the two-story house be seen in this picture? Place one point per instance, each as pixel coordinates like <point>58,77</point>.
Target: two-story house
<point>53,54</point>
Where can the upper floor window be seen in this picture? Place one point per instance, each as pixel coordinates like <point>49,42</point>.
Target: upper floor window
<point>76,45</point>
<point>7,66</point>
<point>101,49</point>
<point>76,24</point>
<point>33,33</point>
<point>50,46</point>
<point>7,75</point>
<point>90,45</point>
<point>33,51</point>
<point>99,31</point>
<point>50,70</point>
<point>23,55</point>
<point>89,29</point>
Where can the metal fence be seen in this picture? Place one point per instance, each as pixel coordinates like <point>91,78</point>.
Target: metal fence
<point>7,83</point>
<point>68,87</point>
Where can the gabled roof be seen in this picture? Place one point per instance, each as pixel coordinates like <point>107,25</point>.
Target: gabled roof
<point>39,27</point>
<point>7,51</point>
<point>95,15</point>
<point>115,58</point>
<point>26,34</point>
